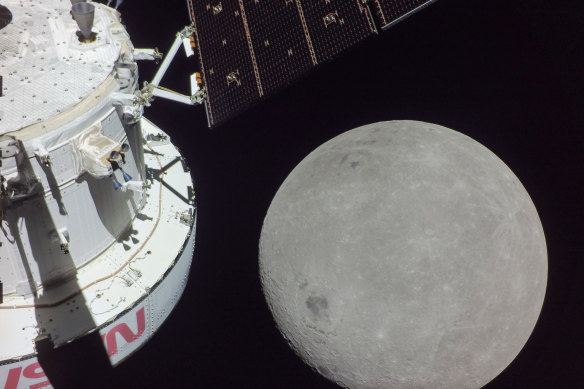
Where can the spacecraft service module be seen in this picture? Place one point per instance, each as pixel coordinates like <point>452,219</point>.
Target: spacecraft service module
<point>97,205</point>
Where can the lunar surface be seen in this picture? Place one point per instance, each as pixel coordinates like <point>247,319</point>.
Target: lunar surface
<point>404,255</point>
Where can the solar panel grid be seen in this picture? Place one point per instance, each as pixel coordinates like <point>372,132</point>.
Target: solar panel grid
<point>335,25</point>
<point>279,43</point>
<point>228,75</point>
<point>251,48</point>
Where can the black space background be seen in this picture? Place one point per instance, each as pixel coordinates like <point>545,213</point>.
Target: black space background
<point>506,73</point>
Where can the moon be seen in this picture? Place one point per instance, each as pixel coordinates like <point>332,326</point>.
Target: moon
<point>404,254</point>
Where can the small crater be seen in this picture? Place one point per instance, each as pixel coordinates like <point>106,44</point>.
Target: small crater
<point>303,284</point>
<point>368,142</point>
<point>344,159</point>
<point>353,163</point>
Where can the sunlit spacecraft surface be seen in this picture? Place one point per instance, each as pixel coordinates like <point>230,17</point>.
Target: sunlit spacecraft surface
<point>97,206</point>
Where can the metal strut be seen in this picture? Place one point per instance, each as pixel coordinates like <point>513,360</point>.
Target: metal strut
<point>153,88</point>
<point>158,175</point>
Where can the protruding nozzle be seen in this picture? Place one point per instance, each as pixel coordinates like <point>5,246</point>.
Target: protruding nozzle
<point>116,183</point>
<point>73,2</point>
<point>127,177</point>
<point>83,14</point>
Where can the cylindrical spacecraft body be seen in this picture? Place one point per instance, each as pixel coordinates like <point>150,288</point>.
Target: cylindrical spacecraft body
<point>96,233</point>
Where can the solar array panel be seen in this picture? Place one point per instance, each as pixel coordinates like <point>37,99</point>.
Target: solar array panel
<point>249,49</point>
<point>392,11</point>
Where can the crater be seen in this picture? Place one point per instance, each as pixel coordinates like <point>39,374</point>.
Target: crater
<point>318,306</point>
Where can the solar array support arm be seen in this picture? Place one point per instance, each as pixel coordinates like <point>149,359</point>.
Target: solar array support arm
<point>154,89</point>
<point>147,54</point>
<point>186,33</point>
<point>172,95</point>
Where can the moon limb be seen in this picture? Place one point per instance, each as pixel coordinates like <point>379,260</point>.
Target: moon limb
<point>404,254</point>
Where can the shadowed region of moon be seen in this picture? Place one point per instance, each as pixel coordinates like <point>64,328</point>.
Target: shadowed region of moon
<point>404,255</point>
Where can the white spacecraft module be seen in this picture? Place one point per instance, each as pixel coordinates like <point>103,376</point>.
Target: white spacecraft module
<point>97,216</point>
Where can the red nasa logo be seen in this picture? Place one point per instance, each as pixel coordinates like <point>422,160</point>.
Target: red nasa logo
<point>33,377</point>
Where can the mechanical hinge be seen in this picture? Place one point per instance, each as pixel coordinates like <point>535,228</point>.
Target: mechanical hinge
<point>150,91</point>
<point>61,236</point>
<point>64,240</point>
<point>22,184</point>
<point>157,55</point>
<point>199,96</point>
<point>43,155</point>
<point>130,105</point>
<point>9,148</point>
<point>185,217</point>
<point>187,31</point>
<point>148,54</point>
<point>146,94</point>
